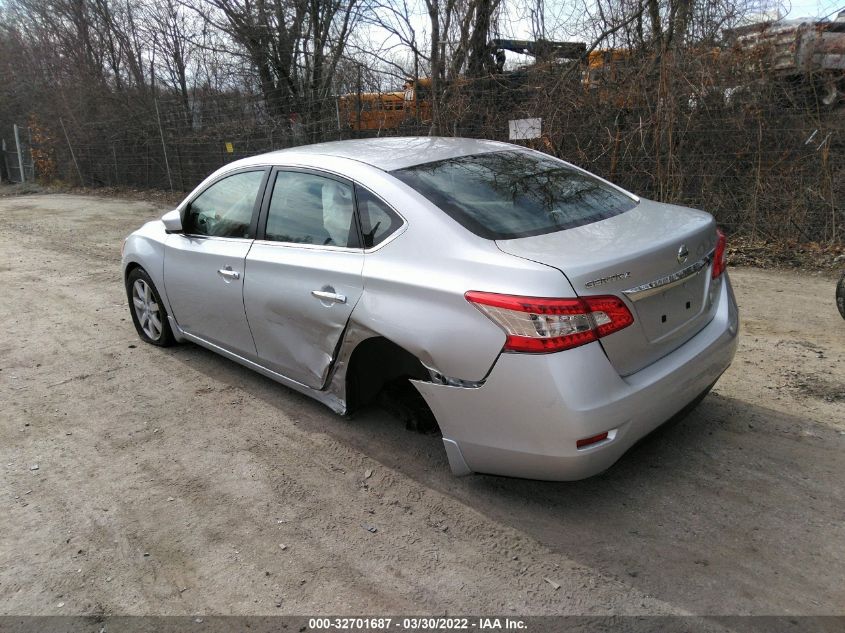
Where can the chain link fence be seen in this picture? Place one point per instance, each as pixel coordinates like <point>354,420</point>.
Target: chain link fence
<point>764,168</point>
<point>17,164</point>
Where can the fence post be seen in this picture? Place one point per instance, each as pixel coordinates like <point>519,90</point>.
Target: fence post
<point>6,162</point>
<point>20,154</point>
<point>31,153</point>
<point>164,147</point>
<point>72,155</point>
<point>359,105</point>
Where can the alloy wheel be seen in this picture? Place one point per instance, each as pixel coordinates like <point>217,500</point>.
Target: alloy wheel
<point>146,309</point>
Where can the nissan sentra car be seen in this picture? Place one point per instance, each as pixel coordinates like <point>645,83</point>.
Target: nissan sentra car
<point>548,318</point>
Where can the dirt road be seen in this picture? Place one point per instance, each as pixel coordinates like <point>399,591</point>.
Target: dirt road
<point>137,480</point>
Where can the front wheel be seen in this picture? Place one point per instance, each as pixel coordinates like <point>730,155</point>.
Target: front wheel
<point>840,295</point>
<point>147,309</point>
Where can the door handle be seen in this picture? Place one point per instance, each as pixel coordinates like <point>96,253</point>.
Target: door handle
<point>333,297</point>
<point>228,273</point>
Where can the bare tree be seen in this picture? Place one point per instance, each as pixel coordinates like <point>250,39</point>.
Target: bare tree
<point>172,32</point>
<point>294,46</point>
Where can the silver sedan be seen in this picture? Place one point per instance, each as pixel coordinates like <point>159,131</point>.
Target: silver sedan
<point>548,318</point>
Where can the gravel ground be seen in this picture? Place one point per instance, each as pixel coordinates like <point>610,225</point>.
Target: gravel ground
<point>136,480</point>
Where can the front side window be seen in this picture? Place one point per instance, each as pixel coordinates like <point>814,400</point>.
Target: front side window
<point>310,209</point>
<point>225,208</point>
<point>378,221</point>
<point>511,194</point>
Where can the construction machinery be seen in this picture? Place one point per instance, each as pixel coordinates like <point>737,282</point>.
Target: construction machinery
<point>796,52</point>
<point>376,111</point>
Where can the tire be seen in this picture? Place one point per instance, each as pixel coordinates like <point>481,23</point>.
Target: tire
<point>401,399</point>
<point>147,309</point>
<point>840,295</point>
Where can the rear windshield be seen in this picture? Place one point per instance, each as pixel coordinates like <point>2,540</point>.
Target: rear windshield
<point>505,195</point>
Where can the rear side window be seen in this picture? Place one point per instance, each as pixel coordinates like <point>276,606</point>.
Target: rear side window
<point>378,221</point>
<point>225,208</point>
<point>310,209</point>
<point>505,195</point>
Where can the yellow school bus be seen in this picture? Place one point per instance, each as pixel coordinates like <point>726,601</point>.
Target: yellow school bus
<point>375,111</point>
<point>603,67</point>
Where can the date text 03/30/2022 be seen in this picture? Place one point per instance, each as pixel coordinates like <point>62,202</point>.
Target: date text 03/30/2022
<point>420,623</point>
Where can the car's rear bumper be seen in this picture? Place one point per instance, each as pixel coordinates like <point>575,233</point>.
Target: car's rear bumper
<point>526,418</point>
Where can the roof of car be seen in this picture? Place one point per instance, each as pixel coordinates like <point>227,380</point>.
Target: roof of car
<point>397,152</point>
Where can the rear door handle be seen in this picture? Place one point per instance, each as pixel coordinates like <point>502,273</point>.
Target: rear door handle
<point>334,297</point>
<point>227,273</point>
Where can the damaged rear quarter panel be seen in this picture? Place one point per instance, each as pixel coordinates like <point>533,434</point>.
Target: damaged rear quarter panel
<point>414,294</point>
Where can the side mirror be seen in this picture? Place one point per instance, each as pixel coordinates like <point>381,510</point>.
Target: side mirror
<point>172,221</point>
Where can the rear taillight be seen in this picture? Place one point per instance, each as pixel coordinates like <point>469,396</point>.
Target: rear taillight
<point>720,256</point>
<point>538,324</point>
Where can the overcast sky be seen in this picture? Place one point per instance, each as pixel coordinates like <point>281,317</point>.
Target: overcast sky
<point>562,12</point>
<point>562,21</point>
<point>818,8</point>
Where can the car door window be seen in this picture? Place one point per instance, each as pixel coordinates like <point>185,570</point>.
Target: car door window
<point>310,209</point>
<point>225,208</point>
<point>378,221</point>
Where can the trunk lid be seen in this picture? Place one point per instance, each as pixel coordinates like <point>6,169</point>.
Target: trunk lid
<point>642,251</point>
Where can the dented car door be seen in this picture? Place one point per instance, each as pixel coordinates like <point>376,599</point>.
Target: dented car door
<point>303,273</point>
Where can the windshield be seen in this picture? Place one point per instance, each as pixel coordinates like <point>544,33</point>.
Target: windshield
<point>510,194</point>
